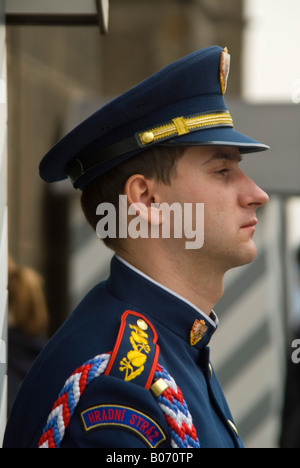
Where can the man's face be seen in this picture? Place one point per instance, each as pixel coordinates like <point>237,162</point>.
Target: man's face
<point>211,175</point>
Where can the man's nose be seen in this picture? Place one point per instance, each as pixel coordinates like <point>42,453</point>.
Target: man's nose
<point>252,194</point>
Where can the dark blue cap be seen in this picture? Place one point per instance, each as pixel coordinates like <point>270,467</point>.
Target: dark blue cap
<point>182,104</point>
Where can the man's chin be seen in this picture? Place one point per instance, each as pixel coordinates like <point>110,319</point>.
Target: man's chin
<point>247,255</point>
<point>242,256</point>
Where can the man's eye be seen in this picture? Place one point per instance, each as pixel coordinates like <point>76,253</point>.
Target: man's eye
<point>222,172</point>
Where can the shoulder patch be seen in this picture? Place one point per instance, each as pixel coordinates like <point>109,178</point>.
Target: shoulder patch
<point>135,354</point>
<point>126,418</point>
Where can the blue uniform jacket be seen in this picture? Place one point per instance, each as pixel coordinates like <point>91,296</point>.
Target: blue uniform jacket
<point>113,412</point>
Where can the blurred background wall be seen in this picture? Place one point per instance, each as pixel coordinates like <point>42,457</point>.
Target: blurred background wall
<point>57,76</point>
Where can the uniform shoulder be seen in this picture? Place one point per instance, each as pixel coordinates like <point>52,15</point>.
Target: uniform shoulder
<point>91,330</point>
<point>126,373</point>
<point>111,391</point>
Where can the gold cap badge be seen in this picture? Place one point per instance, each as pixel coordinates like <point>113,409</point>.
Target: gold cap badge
<point>224,69</point>
<point>198,331</point>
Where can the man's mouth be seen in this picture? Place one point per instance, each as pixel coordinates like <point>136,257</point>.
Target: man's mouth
<point>250,225</point>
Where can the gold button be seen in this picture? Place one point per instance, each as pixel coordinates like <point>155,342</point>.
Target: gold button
<point>159,387</point>
<point>142,324</point>
<point>233,427</point>
<point>147,137</point>
<point>210,370</point>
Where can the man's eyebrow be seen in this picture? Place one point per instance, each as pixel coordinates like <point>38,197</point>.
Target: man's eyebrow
<point>230,156</point>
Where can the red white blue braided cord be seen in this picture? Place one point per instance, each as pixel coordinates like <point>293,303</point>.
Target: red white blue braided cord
<point>171,402</point>
<point>64,407</point>
<point>178,417</point>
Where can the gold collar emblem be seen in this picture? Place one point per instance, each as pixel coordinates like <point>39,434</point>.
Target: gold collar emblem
<point>198,331</point>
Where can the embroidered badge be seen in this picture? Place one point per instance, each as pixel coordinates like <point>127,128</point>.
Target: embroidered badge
<point>224,69</point>
<point>198,331</point>
<point>133,363</point>
<point>126,418</point>
<point>135,355</point>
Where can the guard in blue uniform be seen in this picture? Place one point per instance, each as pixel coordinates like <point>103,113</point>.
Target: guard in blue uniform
<point>130,367</point>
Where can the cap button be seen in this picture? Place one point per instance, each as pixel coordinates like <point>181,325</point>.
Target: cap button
<point>147,137</point>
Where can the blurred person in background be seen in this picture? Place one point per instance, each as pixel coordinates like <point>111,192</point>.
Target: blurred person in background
<point>27,323</point>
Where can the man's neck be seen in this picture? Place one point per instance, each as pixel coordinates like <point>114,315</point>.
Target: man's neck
<point>194,281</point>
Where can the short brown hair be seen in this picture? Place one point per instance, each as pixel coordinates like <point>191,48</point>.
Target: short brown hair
<point>157,163</point>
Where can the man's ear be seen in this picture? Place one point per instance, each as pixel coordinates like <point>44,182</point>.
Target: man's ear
<point>142,197</point>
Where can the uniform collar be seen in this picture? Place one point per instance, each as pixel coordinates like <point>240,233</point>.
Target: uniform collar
<point>174,312</point>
